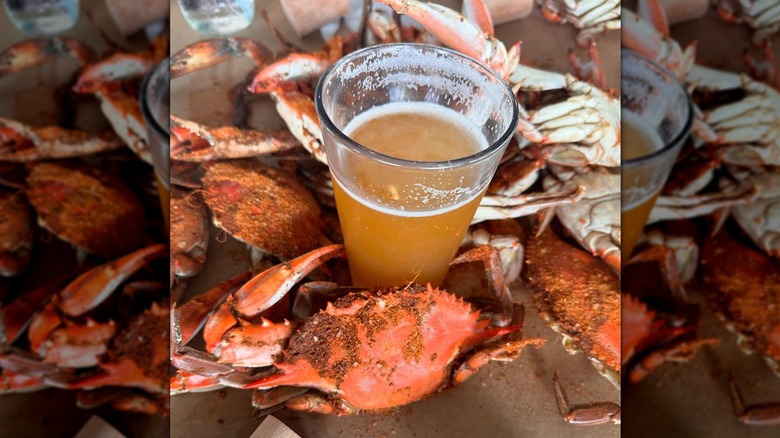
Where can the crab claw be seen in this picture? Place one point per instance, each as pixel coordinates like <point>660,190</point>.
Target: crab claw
<point>94,286</point>
<point>456,32</point>
<point>184,382</point>
<point>121,66</point>
<point>31,53</point>
<point>263,291</point>
<point>208,53</point>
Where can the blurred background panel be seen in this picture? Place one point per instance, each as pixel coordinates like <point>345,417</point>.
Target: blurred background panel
<point>84,255</point>
<point>711,301</point>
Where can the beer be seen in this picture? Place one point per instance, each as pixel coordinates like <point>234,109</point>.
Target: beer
<point>398,230</point>
<point>165,202</point>
<point>638,140</point>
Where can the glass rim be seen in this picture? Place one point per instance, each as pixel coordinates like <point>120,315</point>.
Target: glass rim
<point>145,109</point>
<point>358,148</point>
<point>684,131</point>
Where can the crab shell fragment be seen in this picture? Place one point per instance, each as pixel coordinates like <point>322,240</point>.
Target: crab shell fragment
<point>374,351</point>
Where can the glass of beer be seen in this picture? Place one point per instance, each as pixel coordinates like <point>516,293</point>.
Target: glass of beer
<point>155,106</point>
<point>656,119</point>
<point>413,134</point>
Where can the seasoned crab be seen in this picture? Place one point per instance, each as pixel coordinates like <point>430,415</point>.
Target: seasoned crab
<point>16,229</point>
<point>262,206</point>
<point>367,351</point>
<point>137,356</point>
<point>579,296</point>
<point>64,335</point>
<point>744,286</point>
<point>87,207</point>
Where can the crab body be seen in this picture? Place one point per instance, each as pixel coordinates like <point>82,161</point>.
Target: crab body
<point>377,351</point>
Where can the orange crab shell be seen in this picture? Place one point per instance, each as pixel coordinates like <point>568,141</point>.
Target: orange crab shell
<point>378,351</point>
<point>578,294</point>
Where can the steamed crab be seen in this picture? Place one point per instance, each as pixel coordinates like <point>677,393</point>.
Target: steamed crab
<point>579,296</point>
<point>24,143</point>
<point>367,351</point>
<point>71,350</point>
<point>86,207</point>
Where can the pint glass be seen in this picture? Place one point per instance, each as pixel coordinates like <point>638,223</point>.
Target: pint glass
<point>656,117</point>
<point>413,134</point>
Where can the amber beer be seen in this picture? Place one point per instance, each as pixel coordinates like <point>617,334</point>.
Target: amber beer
<point>165,202</point>
<point>638,140</point>
<point>395,232</point>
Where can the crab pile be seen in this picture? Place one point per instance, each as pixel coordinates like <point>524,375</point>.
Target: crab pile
<point>563,162</point>
<point>76,205</point>
<point>726,179</point>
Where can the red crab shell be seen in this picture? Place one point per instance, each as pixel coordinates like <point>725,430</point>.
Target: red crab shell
<point>87,207</point>
<point>744,287</point>
<point>377,351</point>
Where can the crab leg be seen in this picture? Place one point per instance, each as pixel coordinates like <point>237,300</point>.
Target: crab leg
<point>195,142</point>
<point>208,53</point>
<point>297,67</point>
<point>477,12</point>
<point>503,207</point>
<point>19,142</point>
<point>190,318</point>
<point>16,383</point>
<point>31,53</point>
<point>185,382</point>
<point>584,415</point>
<point>224,331</point>
<point>18,313</point>
<point>297,111</point>
<point>119,67</point>
<point>457,32</point>
<point>767,414</point>
<point>677,207</point>
<point>504,352</point>
<point>92,287</point>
